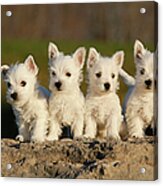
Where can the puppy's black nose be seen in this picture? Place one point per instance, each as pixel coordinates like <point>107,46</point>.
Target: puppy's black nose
<point>107,86</point>
<point>14,96</point>
<point>148,82</point>
<point>58,84</point>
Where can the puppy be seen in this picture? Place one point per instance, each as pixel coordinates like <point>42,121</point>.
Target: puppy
<point>139,102</point>
<point>103,111</point>
<point>66,103</point>
<point>28,100</point>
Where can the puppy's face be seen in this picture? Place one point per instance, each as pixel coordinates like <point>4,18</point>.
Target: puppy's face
<point>20,80</point>
<point>144,61</point>
<point>65,71</point>
<point>103,71</point>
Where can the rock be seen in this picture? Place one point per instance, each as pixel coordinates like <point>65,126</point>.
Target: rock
<point>81,158</point>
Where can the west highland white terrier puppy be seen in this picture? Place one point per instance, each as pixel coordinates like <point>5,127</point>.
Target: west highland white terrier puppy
<point>28,100</point>
<point>66,103</point>
<point>103,111</point>
<point>139,102</point>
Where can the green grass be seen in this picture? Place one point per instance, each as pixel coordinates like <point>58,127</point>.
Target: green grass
<point>17,50</point>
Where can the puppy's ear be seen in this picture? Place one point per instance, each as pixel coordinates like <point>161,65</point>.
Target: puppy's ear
<point>53,51</point>
<point>79,56</point>
<point>118,57</point>
<point>93,57</point>
<point>4,70</point>
<point>139,49</point>
<point>31,65</point>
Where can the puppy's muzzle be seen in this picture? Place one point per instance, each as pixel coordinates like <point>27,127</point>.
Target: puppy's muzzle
<point>58,85</point>
<point>107,86</point>
<point>148,83</point>
<point>14,96</point>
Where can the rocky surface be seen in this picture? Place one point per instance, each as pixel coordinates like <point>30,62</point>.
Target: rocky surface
<point>82,159</point>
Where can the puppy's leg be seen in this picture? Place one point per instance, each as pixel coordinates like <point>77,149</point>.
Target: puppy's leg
<point>90,128</point>
<point>40,128</point>
<point>113,128</point>
<point>135,127</point>
<point>77,126</point>
<point>54,131</point>
<point>101,133</point>
<point>24,134</point>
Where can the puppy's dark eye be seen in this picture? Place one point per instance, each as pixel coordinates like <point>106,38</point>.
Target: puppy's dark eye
<point>113,75</point>
<point>68,74</point>
<point>98,75</point>
<point>142,71</point>
<point>23,83</point>
<point>8,84</point>
<point>53,73</point>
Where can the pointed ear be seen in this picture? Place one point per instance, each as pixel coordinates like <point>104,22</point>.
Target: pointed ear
<point>139,49</point>
<point>53,51</point>
<point>119,58</point>
<point>93,57</point>
<point>31,65</point>
<point>79,56</point>
<point>4,70</point>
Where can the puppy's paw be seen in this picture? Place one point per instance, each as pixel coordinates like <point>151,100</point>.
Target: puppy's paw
<point>66,139</point>
<point>78,138</point>
<point>20,138</point>
<point>52,138</point>
<point>137,135</point>
<point>37,139</point>
<point>88,136</point>
<point>136,138</point>
<point>114,138</point>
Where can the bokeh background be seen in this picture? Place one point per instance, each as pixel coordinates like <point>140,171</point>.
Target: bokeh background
<point>107,26</point>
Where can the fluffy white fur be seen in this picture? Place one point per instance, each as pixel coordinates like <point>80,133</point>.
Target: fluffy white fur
<point>103,111</point>
<point>66,103</point>
<point>28,100</point>
<point>140,97</point>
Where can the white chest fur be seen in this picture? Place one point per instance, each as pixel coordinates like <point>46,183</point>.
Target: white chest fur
<point>66,107</point>
<point>25,115</point>
<point>101,108</point>
<point>141,105</point>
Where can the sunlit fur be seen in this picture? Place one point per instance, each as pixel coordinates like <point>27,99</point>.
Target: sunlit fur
<point>66,104</point>
<point>139,108</point>
<point>30,104</point>
<point>103,111</point>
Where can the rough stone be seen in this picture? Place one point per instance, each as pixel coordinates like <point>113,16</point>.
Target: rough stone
<point>81,159</point>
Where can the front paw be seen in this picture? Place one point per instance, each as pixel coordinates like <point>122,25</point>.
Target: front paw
<point>78,138</point>
<point>135,138</point>
<point>89,136</point>
<point>52,138</point>
<point>137,135</point>
<point>38,139</point>
<point>20,138</point>
<point>114,138</point>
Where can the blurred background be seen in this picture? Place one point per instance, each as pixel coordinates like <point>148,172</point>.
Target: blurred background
<point>107,26</point>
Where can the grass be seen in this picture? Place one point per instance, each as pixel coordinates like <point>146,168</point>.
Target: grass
<point>18,49</point>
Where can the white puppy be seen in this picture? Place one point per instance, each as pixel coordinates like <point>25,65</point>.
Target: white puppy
<point>139,108</point>
<point>103,111</point>
<point>28,100</point>
<point>66,103</point>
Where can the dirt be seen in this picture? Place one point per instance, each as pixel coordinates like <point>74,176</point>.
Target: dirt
<point>81,159</point>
